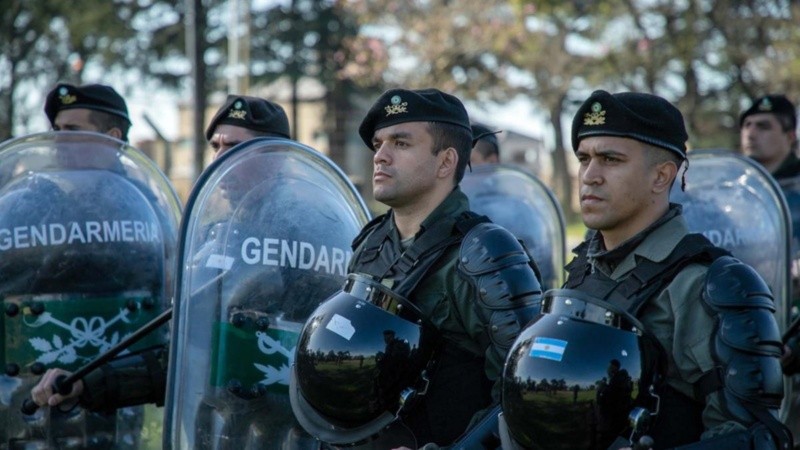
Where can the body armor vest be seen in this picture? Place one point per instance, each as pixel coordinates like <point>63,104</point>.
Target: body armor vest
<point>679,419</point>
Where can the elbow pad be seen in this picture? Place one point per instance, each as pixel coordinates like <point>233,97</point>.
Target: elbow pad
<point>748,342</point>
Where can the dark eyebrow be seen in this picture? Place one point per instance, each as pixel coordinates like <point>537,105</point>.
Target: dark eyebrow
<point>394,136</point>
<point>610,152</point>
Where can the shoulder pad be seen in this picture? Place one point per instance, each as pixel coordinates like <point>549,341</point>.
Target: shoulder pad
<point>488,247</point>
<point>499,268</point>
<point>731,283</point>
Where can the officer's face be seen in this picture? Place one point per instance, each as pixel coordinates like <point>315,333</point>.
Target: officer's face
<point>476,157</point>
<point>80,119</point>
<point>405,168</point>
<point>763,139</point>
<point>618,187</point>
<point>228,136</point>
<point>74,120</point>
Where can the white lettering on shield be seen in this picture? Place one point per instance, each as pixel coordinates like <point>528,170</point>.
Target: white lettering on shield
<point>75,233</point>
<point>295,254</point>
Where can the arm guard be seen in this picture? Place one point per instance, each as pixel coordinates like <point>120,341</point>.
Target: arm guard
<point>747,344</point>
<point>132,379</point>
<point>509,292</point>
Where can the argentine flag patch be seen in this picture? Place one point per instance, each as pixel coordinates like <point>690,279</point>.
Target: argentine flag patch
<point>548,348</point>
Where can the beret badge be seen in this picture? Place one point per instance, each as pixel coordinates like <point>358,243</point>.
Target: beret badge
<point>398,106</point>
<point>64,97</point>
<point>597,116</point>
<point>765,105</point>
<point>237,112</point>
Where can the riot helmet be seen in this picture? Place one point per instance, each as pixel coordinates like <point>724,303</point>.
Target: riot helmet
<point>574,374</point>
<point>522,204</point>
<point>361,361</point>
<point>266,238</point>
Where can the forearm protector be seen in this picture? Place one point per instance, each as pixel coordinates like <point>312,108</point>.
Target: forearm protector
<point>132,379</point>
<point>509,291</point>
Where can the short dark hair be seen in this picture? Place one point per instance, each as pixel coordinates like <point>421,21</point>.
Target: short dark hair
<point>489,137</point>
<point>657,155</point>
<point>104,122</point>
<point>449,135</point>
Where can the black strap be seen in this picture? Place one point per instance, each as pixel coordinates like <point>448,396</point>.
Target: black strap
<point>423,253</point>
<point>780,432</point>
<point>647,278</point>
<point>430,246</point>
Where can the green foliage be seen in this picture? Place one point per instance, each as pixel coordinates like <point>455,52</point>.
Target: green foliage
<point>43,42</point>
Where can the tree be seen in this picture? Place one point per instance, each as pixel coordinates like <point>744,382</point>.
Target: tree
<point>45,42</point>
<point>316,39</point>
<point>708,57</point>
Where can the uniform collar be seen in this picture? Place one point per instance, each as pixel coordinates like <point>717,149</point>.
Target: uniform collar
<point>655,243</point>
<point>790,167</point>
<point>455,203</point>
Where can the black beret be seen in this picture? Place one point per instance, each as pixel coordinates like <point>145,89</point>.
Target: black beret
<point>253,113</point>
<point>775,104</point>
<point>643,117</point>
<point>483,133</point>
<point>402,105</point>
<point>91,96</point>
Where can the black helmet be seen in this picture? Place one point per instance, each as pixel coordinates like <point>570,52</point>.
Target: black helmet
<point>361,357</point>
<point>572,375</point>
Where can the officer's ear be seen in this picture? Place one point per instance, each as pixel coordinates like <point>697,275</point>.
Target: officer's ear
<point>447,160</point>
<point>114,132</point>
<point>666,171</point>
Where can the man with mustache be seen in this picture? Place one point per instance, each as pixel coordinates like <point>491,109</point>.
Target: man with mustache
<point>686,292</point>
<point>432,250</point>
<point>768,133</point>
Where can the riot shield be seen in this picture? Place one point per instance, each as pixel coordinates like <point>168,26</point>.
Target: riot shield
<point>737,205</point>
<point>791,191</point>
<point>266,238</point>
<point>88,239</point>
<point>522,204</point>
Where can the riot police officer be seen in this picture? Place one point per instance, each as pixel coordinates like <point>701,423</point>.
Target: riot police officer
<point>438,269</point>
<point>88,251</point>
<point>768,134</point>
<point>141,378</point>
<point>486,149</point>
<point>707,386</point>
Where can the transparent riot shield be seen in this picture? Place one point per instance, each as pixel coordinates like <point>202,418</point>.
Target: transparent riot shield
<point>521,203</point>
<point>266,238</point>
<point>791,191</point>
<point>88,239</point>
<point>737,205</point>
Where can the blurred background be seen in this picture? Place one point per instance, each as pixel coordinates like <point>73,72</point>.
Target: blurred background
<point>521,66</point>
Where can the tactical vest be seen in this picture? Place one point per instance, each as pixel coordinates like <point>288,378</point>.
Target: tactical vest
<point>680,417</point>
<point>453,371</point>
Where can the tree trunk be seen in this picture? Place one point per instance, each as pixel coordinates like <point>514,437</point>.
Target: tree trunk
<point>562,181</point>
